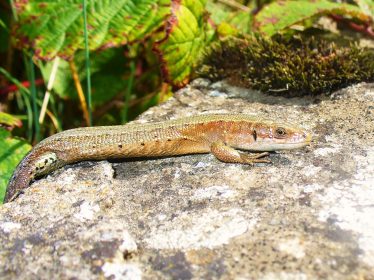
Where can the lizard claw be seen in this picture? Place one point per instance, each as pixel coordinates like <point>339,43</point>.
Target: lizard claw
<point>254,158</point>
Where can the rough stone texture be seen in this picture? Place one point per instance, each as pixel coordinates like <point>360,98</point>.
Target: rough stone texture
<point>308,215</point>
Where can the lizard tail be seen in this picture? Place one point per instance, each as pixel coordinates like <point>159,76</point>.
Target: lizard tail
<point>38,162</point>
<point>21,178</point>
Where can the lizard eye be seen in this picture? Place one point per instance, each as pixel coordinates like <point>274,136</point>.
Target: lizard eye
<point>280,132</point>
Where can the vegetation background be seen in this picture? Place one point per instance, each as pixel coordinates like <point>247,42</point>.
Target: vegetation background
<point>69,63</point>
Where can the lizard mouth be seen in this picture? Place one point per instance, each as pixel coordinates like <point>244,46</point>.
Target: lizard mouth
<point>282,145</point>
<point>297,144</point>
<point>290,146</point>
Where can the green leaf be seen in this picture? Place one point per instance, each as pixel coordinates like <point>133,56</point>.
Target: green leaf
<point>184,41</point>
<point>9,120</point>
<point>11,153</point>
<point>55,27</point>
<point>283,14</point>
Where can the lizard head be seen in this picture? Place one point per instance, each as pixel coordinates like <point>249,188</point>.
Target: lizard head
<point>272,136</point>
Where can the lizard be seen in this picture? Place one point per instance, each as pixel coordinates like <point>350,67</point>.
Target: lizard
<point>223,135</point>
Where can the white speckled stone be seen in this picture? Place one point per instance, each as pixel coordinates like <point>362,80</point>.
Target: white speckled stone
<point>308,215</point>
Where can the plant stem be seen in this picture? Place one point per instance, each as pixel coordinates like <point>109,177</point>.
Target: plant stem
<point>51,80</point>
<point>34,97</point>
<point>79,89</point>
<point>13,10</point>
<point>87,56</point>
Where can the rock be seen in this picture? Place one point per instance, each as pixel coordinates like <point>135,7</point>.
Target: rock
<point>308,215</point>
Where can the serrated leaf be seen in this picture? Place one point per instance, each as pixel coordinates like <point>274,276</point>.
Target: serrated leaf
<point>55,27</point>
<point>282,14</point>
<point>9,120</point>
<point>185,38</point>
<point>12,151</point>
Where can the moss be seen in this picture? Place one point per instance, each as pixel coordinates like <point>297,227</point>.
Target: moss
<point>291,67</point>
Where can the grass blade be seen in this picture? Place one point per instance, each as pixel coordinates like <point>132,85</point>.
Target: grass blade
<point>34,98</point>
<point>124,113</point>
<point>87,57</point>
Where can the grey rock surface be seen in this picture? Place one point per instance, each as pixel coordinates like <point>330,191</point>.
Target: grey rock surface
<point>308,215</point>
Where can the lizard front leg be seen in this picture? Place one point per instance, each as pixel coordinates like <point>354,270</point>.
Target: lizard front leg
<point>228,154</point>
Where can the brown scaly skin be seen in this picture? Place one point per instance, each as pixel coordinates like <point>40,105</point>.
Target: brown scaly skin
<point>219,134</point>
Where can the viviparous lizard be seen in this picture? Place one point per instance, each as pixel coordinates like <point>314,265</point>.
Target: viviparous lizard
<point>219,134</point>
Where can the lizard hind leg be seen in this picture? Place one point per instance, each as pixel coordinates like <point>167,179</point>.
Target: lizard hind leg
<point>228,154</point>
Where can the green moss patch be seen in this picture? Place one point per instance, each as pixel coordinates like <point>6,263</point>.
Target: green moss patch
<point>292,67</point>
